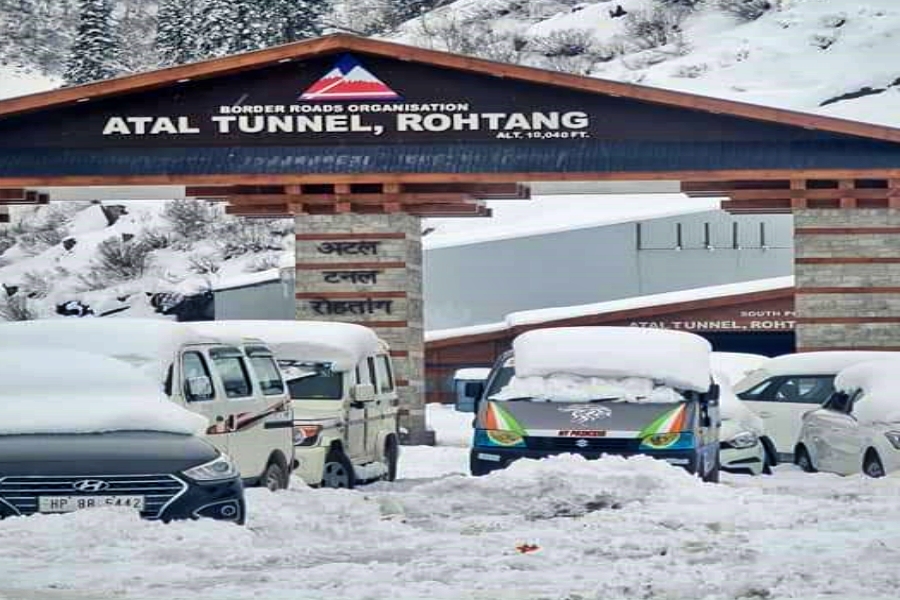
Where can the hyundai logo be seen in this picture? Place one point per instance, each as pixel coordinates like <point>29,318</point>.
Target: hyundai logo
<point>90,485</point>
<point>582,443</point>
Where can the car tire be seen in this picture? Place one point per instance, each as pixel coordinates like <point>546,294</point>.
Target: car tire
<point>872,465</point>
<point>338,471</point>
<point>713,475</point>
<point>275,477</point>
<point>771,455</point>
<point>803,460</point>
<point>391,457</point>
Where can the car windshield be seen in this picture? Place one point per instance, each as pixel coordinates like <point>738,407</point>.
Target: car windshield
<point>312,381</point>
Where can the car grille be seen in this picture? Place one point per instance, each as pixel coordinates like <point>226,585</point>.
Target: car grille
<point>560,444</point>
<point>22,492</point>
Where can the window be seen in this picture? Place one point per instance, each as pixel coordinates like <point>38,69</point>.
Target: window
<point>316,385</point>
<point>385,375</point>
<point>194,369</point>
<point>501,380</point>
<point>229,363</point>
<point>804,390</point>
<point>756,392</point>
<point>263,362</point>
<point>363,374</point>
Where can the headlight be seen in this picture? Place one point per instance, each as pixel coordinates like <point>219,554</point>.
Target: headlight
<point>220,468</point>
<point>744,439</point>
<point>306,435</point>
<point>497,437</point>
<point>668,441</point>
<point>894,438</point>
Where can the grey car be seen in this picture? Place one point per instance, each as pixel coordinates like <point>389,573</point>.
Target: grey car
<point>163,476</point>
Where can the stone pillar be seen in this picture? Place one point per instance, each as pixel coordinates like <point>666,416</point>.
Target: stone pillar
<point>367,269</point>
<point>847,267</point>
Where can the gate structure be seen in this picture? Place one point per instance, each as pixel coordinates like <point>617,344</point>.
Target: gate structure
<point>357,139</point>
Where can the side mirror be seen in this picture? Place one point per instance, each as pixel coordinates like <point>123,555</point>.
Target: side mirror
<point>467,395</point>
<point>199,388</point>
<point>474,389</point>
<point>363,392</point>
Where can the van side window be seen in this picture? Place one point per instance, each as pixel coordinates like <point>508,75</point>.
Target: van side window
<point>229,363</point>
<point>193,366</point>
<point>373,374</point>
<point>385,376</point>
<point>266,370</point>
<point>363,374</point>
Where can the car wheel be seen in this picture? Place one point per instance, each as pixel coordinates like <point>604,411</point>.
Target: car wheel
<point>713,475</point>
<point>275,478</point>
<point>392,457</point>
<point>803,460</point>
<point>872,465</point>
<point>338,471</point>
<point>770,455</point>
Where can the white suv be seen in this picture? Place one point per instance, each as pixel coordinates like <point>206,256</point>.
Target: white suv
<point>858,428</point>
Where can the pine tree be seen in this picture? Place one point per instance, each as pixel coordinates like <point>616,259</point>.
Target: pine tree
<point>249,32</point>
<point>176,32</point>
<point>217,29</point>
<point>292,20</point>
<point>404,10</point>
<point>95,53</point>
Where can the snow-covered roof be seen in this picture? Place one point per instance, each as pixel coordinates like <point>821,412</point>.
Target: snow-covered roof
<point>674,358</point>
<point>879,380</point>
<point>17,82</point>
<point>735,365</point>
<point>548,315</point>
<point>558,213</point>
<point>148,343</point>
<point>472,374</point>
<point>53,390</point>
<point>342,344</point>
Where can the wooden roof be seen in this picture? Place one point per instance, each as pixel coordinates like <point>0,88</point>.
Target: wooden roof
<point>342,42</point>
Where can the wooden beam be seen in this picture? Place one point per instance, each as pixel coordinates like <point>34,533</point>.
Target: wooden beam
<point>12,194</point>
<point>378,199</point>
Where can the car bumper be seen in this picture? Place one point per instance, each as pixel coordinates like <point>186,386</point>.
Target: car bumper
<point>488,459</point>
<point>744,460</point>
<point>310,463</point>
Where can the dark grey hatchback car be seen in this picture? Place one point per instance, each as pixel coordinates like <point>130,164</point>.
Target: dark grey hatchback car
<point>86,431</point>
<point>164,476</point>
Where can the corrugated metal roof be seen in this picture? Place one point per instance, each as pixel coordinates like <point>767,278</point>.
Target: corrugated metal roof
<point>572,156</point>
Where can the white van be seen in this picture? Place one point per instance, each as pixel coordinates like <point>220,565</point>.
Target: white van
<point>783,388</point>
<point>235,383</point>
<point>341,381</point>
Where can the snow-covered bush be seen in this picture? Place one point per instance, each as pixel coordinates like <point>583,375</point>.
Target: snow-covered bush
<point>655,27</point>
<point>203,263</point>
<point>746,10</point>
<point>156,238</point>
<point>117,259</point>
<point>237,237</point>
<point>7,240</point>
<point>37,284</point>
<point>15,308</point>
<point>44,227</point>
<point>682,3</point>
<point>191,220</point>
<point>264,262</point>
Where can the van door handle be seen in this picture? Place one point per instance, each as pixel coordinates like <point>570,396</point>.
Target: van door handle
<point>765,414</point>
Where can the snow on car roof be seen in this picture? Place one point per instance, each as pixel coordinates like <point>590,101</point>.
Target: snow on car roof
<point>147,343</point>
<point>735,365</point>
<point>51,390</point>
<point>472,374</point>
<point>820,363</point>
<point>879,381</point>
<point>342,344</point>
<point>674,358</point>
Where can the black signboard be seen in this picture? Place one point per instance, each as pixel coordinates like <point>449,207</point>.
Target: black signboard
<point>355,99</point>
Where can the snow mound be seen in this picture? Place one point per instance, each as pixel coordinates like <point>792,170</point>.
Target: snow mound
<point>451,427</point>
<point>879,380</point>
<point>62,391</point>
<point>734,366</point>
<point>472,374</point>
<point>573,388</point>
<point>342,344</point>
<point>145,343</point>
<point>560,486</point>
<point>820,363</point>
<point>674,358</point>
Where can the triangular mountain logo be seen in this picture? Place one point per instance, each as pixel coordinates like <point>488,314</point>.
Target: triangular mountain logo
<point>349,80</point>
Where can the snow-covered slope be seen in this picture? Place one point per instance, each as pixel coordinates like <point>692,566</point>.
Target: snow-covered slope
<point>17,82</point>
<point>804,54</point>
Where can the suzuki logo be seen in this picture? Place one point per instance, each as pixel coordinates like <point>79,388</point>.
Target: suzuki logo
<point>90,485</point>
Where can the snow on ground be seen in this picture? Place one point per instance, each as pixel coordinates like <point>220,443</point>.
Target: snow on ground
<point>612,528</point>
<point>18,82</point>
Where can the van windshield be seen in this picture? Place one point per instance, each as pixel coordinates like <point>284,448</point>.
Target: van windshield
<point>565,387</point>
<point>313,382</point>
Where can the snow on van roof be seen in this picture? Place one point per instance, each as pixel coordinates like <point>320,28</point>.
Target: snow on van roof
<point>147,343</point>
<point>342,344</point>
<point>879,380</point>
<point>50,390</point>
<point>821,363</point>
<point>674,358</point>
<point>472,374</point>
